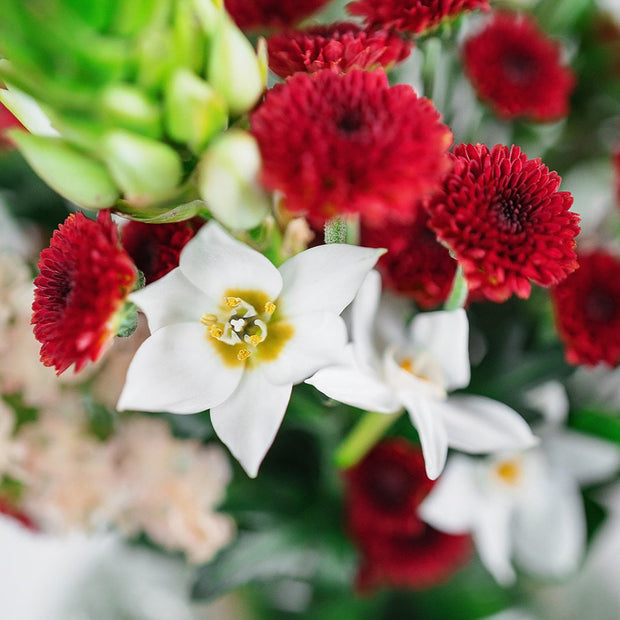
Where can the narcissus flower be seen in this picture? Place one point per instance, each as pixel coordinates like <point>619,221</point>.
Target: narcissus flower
<point>336,144</point>
<point>84,280</point>
<point>155,248</point>
<point>505,221</point>
<point>587,310</point>
<point>524,506</point>
<point>411,15</point>
<point>416,264</point>
<point>250,14</point>
<point>232,333</point>
<point>340,47</point>
<point>416,369</point>
<point>382,495</point>
<point>518,70</point>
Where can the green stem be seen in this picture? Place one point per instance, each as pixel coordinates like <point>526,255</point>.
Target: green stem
<point>458,293</point>
<point>363,437</point>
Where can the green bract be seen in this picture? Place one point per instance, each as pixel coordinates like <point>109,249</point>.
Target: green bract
<point>135,91</point>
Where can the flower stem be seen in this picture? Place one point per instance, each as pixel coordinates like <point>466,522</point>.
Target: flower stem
<point>363,437</point>
<point>458,293</point>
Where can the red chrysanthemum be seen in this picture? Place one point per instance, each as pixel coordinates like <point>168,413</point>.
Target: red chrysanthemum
<point>85,277</point>
<point>587,310</point>
<point>505,221</point>
<point>411,15</point>
<point>250,14</point>
<point>517,69</point>
<point>155,248</point>
<point>422,560</point>
<point>397,549</point>
<point>416,264</point>
<point>340,47</point>
<point>384,491</point>
<point>349,143</point>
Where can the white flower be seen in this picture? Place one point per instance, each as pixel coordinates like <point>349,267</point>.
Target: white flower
<point>232,333</point>
<point>389,367</point>
<point>524,505</point>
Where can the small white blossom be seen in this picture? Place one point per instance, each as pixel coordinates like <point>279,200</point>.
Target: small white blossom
<point>231,333</point>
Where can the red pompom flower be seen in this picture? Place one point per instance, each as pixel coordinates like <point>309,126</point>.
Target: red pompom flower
<point>155,248</point>
<point>416,264</point>
<point>505,221</point>
<point>340,47</point>
<point>587,310</point>
<point>85,277</point>
<point>250,14</point>
<point>517,69</point>
<point>336,144</point>
<point>411,15</point>
<point>383,493</point>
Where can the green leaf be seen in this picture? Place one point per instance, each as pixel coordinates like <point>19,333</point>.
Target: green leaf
<point>256,556</point>
<point>603,425</point>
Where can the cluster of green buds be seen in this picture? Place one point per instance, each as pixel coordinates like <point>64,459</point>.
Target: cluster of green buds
<point>129,104</point>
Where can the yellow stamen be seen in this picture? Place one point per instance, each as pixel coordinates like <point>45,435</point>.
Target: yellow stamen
<point>255,340</point>
<point>407,364</point>
<point>232,302</point>
<point>216,332</point>
<point>270,307</point>
<point>509,472</point>
<point>243,354</point>
<point>208,319</point>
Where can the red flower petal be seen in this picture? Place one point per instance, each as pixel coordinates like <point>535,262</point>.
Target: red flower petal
<point>505,221</point>
<point>85,277</point>
<point>250,14</point>
<point>517,69</point>
<point>587,310</point>
<point>339,47</point>
<point>336,144</point>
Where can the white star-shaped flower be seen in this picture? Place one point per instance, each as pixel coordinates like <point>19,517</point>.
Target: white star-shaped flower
<point>232,333</point>
<point>389,367</point>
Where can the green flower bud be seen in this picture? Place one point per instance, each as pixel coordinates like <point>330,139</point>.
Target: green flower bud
<point>128,107</point>
<point>233,68</point>
<point>228,181</point>
<point>28,112</point>
<point>73,174</point>
<point>194,111</point>
<point>146,170</point>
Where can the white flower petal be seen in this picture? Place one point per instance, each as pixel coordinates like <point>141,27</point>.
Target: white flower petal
<point>364,312</point>
<point>215,262</point>
<point>318,340</point>
<point>248,421</point>
<point>171,299</point>
<point>450,506</point>
<point>427,419</point>
<point>325,278</point>
<point>587,459</point>
<point>492,537</point>
<point>551,400</point>
<point>445,337</point>
<point>177,370</point>
<point>550,529</point>
<point>355,386</point>
<point>479,425</point>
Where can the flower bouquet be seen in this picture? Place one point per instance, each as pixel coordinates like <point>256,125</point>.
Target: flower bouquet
<point>310,308</point>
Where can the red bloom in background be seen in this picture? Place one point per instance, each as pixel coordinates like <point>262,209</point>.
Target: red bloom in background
<point>85,277</point>
<point>411,15</point>
<point>517,69</point>
<point>155,248</point>
<point>339,47</point>
<point>7,508</point>
<point>383,493</point>
<point>7,121</point>
<point>416,264</point>
<point>250,14</point>
<point>587,310</point>
<point>505,221</point>
<point>335,144</point>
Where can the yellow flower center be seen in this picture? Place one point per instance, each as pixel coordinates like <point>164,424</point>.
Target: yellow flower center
<point>238,330</point>
<point>509,471</point>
